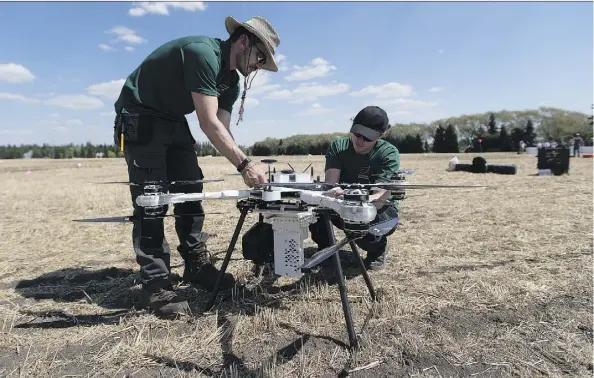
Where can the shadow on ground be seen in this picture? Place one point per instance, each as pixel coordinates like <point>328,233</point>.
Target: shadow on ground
<point>117,290</point>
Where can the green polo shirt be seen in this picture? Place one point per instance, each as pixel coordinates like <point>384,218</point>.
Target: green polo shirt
<point>162,84</point>
<point>378,165</point>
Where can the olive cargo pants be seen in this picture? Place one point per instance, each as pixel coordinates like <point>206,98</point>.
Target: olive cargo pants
<point>161,150</point>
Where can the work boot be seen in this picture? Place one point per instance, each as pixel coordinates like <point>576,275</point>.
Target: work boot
<point>164,301</point>
<point>372,262</point>
<point>198,269</point>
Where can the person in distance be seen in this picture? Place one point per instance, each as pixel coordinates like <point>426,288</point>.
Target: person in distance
<point>192,73</point>
<point>363,158</point>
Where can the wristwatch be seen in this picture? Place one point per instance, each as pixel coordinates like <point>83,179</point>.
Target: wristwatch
<point>243,164</point>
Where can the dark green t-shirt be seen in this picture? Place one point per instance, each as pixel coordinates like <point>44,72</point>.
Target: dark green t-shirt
<point>378,165</point>
<point>163,82</point>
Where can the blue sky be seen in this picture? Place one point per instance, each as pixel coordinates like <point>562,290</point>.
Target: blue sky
<point>62,64</point>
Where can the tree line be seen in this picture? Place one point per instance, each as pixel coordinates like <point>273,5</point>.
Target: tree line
<point>484,132</point>
<point>493,139</point>
<point>84,151</point>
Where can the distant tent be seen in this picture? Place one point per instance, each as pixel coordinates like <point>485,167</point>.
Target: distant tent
<point>28,154</point>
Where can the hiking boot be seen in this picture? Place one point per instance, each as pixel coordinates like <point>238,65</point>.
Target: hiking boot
<point>164,301</point>
<point>374,263</point>
<point>199,270</point>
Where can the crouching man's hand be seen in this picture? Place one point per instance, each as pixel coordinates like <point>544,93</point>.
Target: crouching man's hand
<point>379,197</point>
<point>334,192</point>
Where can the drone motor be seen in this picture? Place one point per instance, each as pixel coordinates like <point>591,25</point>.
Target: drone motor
<point>153,189</point>
<point>398,194</point>
<point>356,199</point>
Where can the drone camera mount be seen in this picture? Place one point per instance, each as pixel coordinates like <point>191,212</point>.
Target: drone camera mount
<point>290,230</point>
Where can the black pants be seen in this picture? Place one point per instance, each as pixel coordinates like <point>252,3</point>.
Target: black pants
<point>375,246</point>
<point>576,151</point>
<point>162,150</point>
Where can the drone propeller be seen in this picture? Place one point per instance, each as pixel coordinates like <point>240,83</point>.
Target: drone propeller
<point>385,185</point>
<point>132,218</point>
<point>175,182</point>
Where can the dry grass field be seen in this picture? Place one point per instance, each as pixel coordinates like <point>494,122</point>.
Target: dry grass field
<point>480,282</point>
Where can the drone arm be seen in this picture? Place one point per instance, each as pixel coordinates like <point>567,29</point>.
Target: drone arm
<point>356,212</point>
<point>322,255</point>
<point>167,199</point>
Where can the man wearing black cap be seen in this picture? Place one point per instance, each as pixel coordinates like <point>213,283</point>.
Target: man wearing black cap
<point>363,158</point>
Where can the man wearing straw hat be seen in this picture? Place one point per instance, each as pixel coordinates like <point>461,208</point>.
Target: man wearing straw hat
<point>194,73</point>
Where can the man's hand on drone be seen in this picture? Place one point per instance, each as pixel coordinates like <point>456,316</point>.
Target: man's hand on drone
<point>334,192</point>
<point>253,175</point>
<point>379,197</point>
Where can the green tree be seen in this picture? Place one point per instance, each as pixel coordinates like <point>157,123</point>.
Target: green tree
<point>492,126</point>
<point>529,134</point>
<point>418,144</point>
<point>439,140</point>
<point>451,140</point>
<point>504,140</point>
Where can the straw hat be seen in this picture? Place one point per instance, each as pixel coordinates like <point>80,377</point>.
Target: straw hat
<point>264,31</point>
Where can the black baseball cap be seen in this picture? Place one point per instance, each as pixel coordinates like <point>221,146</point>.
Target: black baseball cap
<point>370,122</point>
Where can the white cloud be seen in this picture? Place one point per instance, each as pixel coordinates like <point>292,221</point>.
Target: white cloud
<point>75,102</point>
<point>259,83</point>
<point>60,125</point>
<point>129,48</point>
<point>15,132</point>
<point>385,91</point>
<point>109,90</point>
<point>162,8</point>
<point>313,91</point>
<point>281,62</point>
<point>125,34</point>
<point>436,89</point>
<point>17,97</point>
<point>403,103</point>
<point>318,68</point>
<point>393,98</point>
<point>307,92</point>
<point>407,103</point>
<point>15,73</point>
<point>249,103</point>
<point>108,114</point>
<point>105,47</point>
<point>314,109</point>
<point>283,94</point>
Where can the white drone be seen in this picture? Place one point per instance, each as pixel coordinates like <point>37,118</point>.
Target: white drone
<point>287,205</point>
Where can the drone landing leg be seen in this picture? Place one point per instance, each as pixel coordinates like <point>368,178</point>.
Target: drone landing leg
<point>363,270</point>
<point>215,290</point>
<point>346,306</point>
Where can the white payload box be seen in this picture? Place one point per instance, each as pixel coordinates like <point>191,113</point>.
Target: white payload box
<point>289,177</point>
